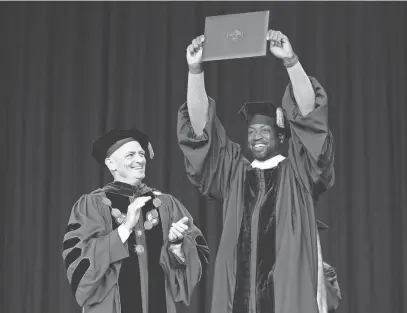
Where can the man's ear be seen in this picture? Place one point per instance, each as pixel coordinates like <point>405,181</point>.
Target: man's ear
<point>111,165</point>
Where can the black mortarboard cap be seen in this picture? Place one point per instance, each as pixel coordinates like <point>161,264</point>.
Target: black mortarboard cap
<point>264,112</point>
<point>105,145</point>
<point>250,109</point>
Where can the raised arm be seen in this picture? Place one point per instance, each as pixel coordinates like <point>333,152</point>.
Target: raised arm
<point>197,99</point>
<point>305,104</point>
<point>211,159</point>
<point>303,92</point>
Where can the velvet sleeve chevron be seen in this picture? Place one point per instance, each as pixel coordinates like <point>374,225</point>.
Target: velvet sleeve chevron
<point>89,248</point>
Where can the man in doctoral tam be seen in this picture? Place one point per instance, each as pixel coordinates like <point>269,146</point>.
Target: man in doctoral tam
<point>268,258</point>
<point>129,248</point>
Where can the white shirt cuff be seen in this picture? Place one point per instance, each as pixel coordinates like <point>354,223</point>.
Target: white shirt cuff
<point>177,251</point>
<point>124,233</point>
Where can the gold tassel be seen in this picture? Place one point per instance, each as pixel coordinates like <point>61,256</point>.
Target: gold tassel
<point>280,117</point>
<point>150,151</point>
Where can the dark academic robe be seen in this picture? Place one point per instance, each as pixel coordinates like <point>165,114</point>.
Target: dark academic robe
<point>140,276</point>
<point>260,274</point>
<point>256,243</point>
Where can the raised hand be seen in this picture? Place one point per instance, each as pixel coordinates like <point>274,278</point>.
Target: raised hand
<point>194,52</point>
<point>280,46</point>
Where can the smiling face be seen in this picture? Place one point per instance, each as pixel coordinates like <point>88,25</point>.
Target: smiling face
<point>263,141</point>
<point>128,163</point>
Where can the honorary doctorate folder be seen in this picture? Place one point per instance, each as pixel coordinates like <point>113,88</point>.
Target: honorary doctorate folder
<point>129,248</point>
<point>269,257</point>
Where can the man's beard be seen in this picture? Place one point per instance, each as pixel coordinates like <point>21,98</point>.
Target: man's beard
<point>261,156</point>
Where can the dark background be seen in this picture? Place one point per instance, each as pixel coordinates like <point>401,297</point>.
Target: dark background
<point>71,71</point>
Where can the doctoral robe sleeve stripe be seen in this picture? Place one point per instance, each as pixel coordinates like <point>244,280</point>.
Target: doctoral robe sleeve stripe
<point>327,152</point>
<point>78,273</point>
<point>202,249</point>
<point>200,240</point>
<point>70,243</point>
<point>72,227</point>
<point>72,257</point>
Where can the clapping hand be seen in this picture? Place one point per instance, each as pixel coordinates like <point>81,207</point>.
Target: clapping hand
<point>178,230</point>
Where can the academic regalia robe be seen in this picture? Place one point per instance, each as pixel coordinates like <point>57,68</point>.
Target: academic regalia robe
<point>216,166</point>
<point>140,276</point>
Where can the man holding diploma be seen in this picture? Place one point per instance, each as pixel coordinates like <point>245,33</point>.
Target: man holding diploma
<point>269,253</point>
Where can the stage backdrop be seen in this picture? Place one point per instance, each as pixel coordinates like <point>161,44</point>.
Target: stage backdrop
<point>71,71</point>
